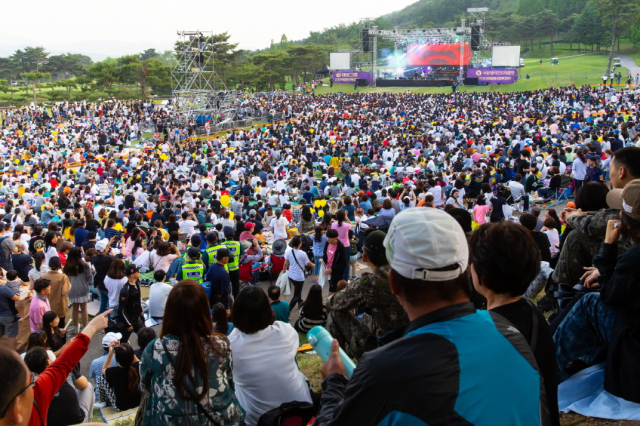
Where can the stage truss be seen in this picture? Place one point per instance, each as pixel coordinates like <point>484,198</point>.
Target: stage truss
<point>198,93</point>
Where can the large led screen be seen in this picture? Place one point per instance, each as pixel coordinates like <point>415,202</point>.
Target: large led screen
<point>438,54</point>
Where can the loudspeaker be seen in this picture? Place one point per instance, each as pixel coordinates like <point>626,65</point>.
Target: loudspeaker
<point>362,82</point>
<point>366,41</point>
<point>475,37</point>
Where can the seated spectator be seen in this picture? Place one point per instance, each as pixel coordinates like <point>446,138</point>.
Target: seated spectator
<point>313,312</point>
<point>73,403</point>
<point>221,322</point>
<point>448,351</point>
<point>280,307</point>
<point>119,385</point>
<point>550,230</point>
<point>264,357</point>
<point>509,245</point>
<point>604,326</point>
<point>383,312</point>
<point>529,221</point>
<point>26,398</point>
<point>56,336</point>
<point>38,339</point>
<point>187,348</point>
<point>95,370</point>
<point>158,294</point>
<point>145,336</point>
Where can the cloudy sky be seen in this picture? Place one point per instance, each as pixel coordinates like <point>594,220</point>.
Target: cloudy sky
<point>118,27</point>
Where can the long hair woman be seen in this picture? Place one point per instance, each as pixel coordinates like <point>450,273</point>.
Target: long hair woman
<point>40,267</point>
<point>200,388</point>
<point>56,337</point>
<point>119,384</point>
<point>313,312</point>
<point>221,322</point>
<point>114,281</point>
<point>80,276</point>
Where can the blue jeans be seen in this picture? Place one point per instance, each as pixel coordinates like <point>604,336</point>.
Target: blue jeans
<point>173,269</point>
<point>316,269</point>
<point>546,192</point>
<point>525,200</point>
<point>347,251</point>
<point>104,301</point>
<point>585,333</point>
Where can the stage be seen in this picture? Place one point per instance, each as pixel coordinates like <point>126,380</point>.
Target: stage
<point>413,83</point>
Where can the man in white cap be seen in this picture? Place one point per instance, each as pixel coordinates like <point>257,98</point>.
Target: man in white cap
<point>451,364</point>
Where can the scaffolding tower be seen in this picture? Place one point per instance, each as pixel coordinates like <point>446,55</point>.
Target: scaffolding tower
<point>477,19</point>
<point>198,93</point>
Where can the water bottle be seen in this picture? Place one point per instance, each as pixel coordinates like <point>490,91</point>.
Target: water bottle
<point>320,339</point>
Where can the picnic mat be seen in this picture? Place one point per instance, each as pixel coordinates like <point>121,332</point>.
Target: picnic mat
<point>111,416</point>
<point>584,393</point>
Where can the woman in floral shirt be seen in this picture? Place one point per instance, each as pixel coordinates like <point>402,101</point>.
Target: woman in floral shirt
<point>186,373</point>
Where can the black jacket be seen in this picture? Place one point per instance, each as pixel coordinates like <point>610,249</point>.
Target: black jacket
<point>340,260</point>
<point>102,263</point>
<point>129,305</point>
<point>620,289</point>
<point>542,241</point>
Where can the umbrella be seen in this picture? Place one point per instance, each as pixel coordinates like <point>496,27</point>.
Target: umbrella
<point>379,222</point>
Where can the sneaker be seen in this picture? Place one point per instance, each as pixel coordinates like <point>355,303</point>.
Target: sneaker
<point>100,404</point>
<point>315,279</point>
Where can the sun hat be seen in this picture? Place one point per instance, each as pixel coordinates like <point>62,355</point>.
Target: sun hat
<point>421,240</point>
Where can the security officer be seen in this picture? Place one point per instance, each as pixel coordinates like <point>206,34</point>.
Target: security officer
<point>193,269</point>
<point>196,240</point>
<point>235,251</point>
<point>212,248</point>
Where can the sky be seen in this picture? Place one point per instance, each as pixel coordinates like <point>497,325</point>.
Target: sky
<point>119,27</point>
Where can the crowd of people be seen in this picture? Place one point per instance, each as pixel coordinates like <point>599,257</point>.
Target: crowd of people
<point>438,197</point>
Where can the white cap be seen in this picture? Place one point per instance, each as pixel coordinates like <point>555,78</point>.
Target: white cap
<point>423,239</point>
<point>110,337</point>
<point>102,244</point>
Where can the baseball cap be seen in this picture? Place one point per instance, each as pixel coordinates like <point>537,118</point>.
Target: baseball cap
<point>249,225</point>
<point>109,338</point>
<point>131,269</point>
<point>228,231</point>
<point>193,253</point>
<point>415,257</point>
<point>102,244</point>
<point>374,240</point>
<point>252,212</point>
<point>626,199</point>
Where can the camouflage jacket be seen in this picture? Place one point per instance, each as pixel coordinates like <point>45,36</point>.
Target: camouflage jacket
<point>594,226</point>
<point>372,292</point>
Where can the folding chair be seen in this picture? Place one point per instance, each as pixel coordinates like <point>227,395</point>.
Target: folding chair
<point>563,191</point>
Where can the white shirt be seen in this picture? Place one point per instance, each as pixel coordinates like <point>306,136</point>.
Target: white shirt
<point>188,227</point>
<point>51,252</point>
<point>113,287</point>
<point>296,270</point>
<point>158,295</point>
<point>264,369</point>
<point>279,227</point>
<point>436,191</point>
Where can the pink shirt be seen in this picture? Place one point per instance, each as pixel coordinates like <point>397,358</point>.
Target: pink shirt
<point>343,232</point>
<point>331,254</point>
<point>479,214</point>
<point>36,311</point>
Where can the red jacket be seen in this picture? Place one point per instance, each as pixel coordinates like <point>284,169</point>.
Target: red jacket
<point>48,383</point>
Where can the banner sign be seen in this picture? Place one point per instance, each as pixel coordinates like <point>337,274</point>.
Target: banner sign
<point>350,76</point>
<point>493,75</point>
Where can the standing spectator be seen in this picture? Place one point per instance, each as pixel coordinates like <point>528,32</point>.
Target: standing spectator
<point>295,263</point>
<point>335,259</point>
<point>264,351</point>
<point>186,373</point>
<point>158,294</point>
<point>130,316</point>
<point>39,304</point>
<point>102,264</point>
<point>219,278</point>
<point>343,226</point>
<point>81,233</point>
<point>80,278</point>
<point>8,318</point>
<point>60,287</point>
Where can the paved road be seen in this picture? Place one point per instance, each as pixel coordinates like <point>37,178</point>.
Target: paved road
<point>630,64</point>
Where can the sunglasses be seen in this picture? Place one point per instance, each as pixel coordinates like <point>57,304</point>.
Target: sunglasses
<point>32,381</point>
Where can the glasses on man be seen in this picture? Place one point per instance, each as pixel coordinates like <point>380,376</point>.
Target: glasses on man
<point>32,381</point>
